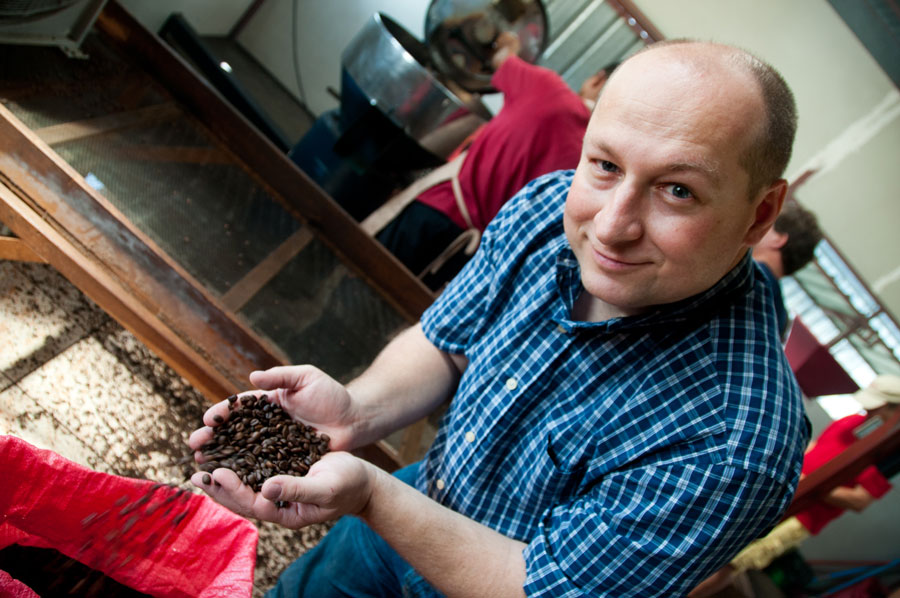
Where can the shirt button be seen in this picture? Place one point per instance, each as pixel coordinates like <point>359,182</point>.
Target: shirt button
<point>440,484</point>
<point>470,436</point>
<point>560,329</point>
<point>511,384</point>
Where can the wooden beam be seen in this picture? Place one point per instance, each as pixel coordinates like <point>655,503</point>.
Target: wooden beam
<point>238,295</point>
<point>13,249</point>
<point>80,129</point>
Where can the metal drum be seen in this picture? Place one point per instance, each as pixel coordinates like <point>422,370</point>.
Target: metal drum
<point>460,36</point>
<point>386,67</point>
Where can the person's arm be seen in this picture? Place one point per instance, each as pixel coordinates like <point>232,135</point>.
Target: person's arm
<point>856,498</point>
<point>408,380</point>
<point>507,44</point>
<point>454,553</point>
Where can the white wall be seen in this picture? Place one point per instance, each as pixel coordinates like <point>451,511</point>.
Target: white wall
<point>207,17</point>
<point>324,27</point>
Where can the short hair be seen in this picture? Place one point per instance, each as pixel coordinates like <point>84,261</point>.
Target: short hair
<point>803,234</point>
<point>767,156</point>
<point>609,68</point>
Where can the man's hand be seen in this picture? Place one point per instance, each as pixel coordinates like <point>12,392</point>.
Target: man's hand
<point>336,485</point>
<point>507,44</point>
<point>306,393</point>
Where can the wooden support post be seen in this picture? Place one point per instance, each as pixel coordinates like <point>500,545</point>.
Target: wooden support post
<point>13,249</point>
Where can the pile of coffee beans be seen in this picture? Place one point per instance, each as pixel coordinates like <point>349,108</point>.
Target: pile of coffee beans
<point>260,440</point>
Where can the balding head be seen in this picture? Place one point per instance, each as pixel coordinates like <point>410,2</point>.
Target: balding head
<point>767,149</point>
<point>666,198</point>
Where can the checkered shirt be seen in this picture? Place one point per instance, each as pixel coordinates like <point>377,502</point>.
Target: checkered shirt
<point>633,456</point>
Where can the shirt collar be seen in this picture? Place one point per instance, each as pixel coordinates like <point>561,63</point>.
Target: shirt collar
<point>737,282</point>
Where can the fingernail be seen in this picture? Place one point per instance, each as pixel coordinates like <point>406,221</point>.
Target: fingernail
<point>274,491</point>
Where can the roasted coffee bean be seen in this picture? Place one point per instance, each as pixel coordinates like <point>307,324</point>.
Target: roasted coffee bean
<point>259,440</point>
<point>206,479</point>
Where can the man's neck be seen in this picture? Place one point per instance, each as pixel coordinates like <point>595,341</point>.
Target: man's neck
<point>588,308</point>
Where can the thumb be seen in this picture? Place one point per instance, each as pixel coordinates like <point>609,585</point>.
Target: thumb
<point>294,489</point>
<point>284,376</point>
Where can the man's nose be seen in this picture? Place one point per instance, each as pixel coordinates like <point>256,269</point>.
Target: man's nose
<point>619,218</point>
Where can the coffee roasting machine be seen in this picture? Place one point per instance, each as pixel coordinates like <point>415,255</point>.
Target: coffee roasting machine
<point>406,104</point>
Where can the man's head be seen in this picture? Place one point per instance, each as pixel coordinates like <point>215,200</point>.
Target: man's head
<point>790,244</point>
<point>664,202</point>
<point>593,85</point>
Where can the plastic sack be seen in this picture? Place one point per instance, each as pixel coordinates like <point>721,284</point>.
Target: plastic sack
<point>153,538</point>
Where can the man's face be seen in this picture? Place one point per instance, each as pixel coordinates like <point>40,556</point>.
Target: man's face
<point>659,209</point>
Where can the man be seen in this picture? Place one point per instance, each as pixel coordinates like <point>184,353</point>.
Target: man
<point>623,417</point>
<point>788,246</point>
<point>880,399</point>
<point>538,130</point>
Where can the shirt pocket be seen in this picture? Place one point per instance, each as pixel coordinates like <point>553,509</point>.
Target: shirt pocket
<point>565,467</point>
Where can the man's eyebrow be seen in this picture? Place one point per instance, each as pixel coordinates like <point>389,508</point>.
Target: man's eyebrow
<point>709,169</point>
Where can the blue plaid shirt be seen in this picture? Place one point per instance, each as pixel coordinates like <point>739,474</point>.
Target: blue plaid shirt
<point>634,456</point>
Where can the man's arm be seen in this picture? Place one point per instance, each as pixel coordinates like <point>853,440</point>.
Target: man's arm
<point>856,498</point>
<point>457,555</point>
<point>408,380</point>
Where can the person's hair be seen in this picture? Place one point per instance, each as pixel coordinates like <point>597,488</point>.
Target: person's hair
<point>609,68</point>
<point>803,234</point>
<point>767,156</point>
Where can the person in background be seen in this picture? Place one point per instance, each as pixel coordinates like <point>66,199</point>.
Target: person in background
<point>622,419</point>
<point>788,246</point>
<point>538,130</point>
<point>881,399</point>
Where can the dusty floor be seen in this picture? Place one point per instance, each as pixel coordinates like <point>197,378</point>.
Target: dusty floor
<point>72,380</point>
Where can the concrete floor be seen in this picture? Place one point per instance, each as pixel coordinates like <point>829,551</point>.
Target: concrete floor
<point>73,381</point>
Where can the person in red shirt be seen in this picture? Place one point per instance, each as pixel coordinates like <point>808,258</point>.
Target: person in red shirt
<point>880,399</point>
<point>538,130</point>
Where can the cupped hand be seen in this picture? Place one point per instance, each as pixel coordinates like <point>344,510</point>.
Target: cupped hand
<point>336,485</point>
<point>305,392</point>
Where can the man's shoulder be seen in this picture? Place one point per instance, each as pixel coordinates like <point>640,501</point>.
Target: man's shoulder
<point>536,207</point>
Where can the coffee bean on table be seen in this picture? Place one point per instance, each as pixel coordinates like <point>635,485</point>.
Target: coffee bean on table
<point>260,440</point>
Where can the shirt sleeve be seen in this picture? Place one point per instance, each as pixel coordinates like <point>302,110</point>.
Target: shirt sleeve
<point>655,531</point>
<point>874,483</point>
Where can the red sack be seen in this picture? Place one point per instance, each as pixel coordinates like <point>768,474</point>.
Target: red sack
<point>153,538</point>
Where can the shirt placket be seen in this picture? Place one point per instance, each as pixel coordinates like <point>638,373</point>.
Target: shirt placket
<point>510,387</point>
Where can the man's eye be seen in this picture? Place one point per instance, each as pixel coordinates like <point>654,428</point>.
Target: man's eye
<point>680,191</point>
<point>607,166</point>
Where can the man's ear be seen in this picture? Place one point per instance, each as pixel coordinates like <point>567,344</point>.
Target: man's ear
<point>768,205</point>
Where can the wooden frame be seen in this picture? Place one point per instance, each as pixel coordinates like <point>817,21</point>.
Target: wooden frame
<point>301,196</point>
<point>59,218</point>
